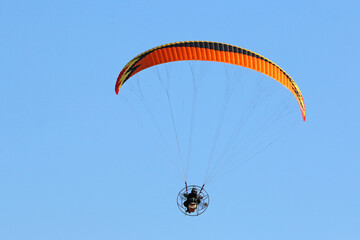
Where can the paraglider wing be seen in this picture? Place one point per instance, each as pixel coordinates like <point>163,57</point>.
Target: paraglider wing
<point>209,51</point>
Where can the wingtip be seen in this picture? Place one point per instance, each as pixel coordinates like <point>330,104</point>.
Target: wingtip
<point>303,115</point>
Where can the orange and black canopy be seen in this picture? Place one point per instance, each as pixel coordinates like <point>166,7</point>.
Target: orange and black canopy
<point>209,51</point>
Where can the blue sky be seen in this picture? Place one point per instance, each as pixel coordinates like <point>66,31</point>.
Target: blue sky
<point>74,163</point>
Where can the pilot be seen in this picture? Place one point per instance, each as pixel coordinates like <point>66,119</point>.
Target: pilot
<point>192,200</point>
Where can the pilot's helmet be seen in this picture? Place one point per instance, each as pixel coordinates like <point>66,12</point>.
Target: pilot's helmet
<point>194,190</point>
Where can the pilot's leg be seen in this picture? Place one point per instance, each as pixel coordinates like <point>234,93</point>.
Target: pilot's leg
<point>186,204</point>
